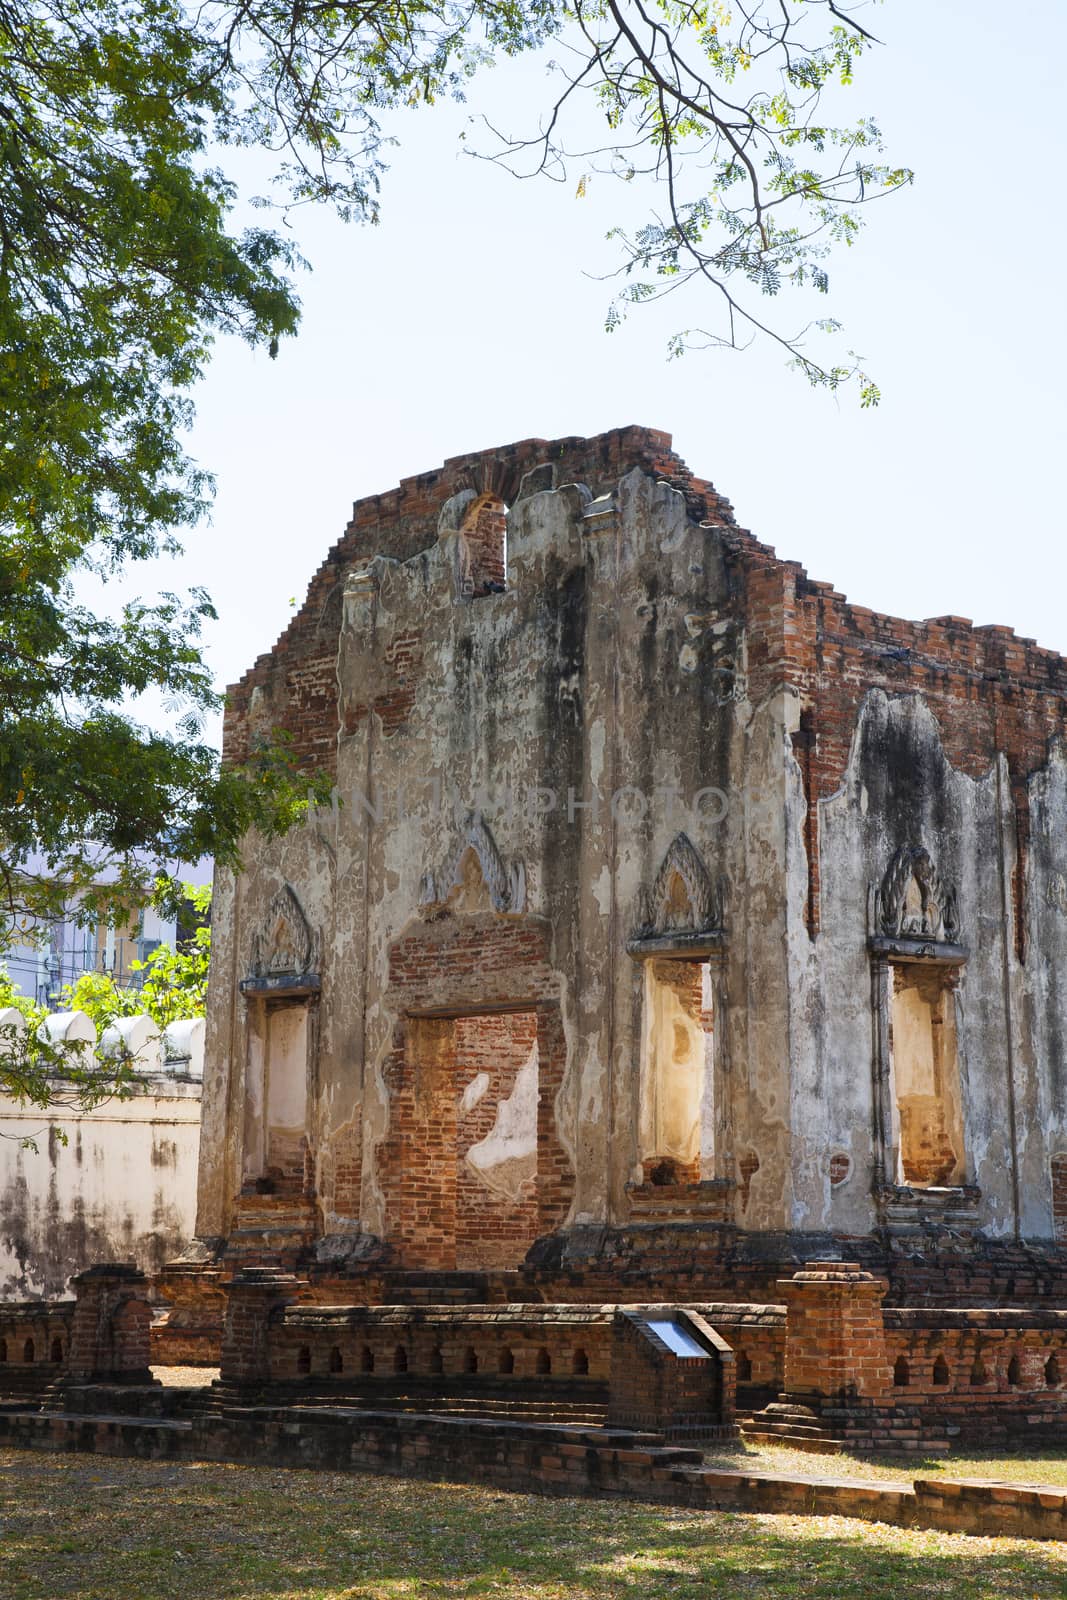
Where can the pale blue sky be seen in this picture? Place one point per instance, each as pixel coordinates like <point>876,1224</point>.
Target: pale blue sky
<point>467,320</point>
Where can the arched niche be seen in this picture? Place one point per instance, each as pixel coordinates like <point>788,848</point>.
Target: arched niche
<point>281,991</point>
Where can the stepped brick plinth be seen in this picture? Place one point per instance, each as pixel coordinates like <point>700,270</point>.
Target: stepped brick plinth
<point>834,1335</point>
<point>251,1296</point>
<point>838,1382</point>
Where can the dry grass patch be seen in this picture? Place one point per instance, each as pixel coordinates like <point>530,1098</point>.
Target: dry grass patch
<point>96,1529</point>
<point>1031,1467</point>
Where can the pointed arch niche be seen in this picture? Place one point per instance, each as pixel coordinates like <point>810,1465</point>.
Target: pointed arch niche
<point>472,525</point>
<point>917,961</point>
<point>281,993</point>
<point>475,875</point>
<point>681,1114</point>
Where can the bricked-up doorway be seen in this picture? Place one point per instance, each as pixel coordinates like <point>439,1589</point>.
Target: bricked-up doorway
<point>496,1093</point>
<point>474,1171</point>
<point>474,1167</point>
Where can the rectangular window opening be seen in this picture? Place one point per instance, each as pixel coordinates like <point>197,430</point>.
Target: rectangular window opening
<point>677,1102</point>
<point>926,1077</point>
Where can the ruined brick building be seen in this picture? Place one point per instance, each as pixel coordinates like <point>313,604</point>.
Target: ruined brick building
<point>663,1031</point>
<point>676,919</point>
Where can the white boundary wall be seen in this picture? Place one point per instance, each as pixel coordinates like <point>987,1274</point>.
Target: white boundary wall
<point>123,1186</point>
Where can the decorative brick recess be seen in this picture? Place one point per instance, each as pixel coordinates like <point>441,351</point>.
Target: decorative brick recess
<point>545,1460</point>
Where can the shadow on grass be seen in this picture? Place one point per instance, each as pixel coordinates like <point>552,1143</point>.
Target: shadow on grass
<point>97,1529</point>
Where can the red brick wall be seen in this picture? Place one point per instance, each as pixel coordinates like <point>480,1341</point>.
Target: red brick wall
<point>34,1344</point>
<point>990,1373</point>
<point>561,1343</point>
<point>756,1335</point>
<point>490,1229</point>
<point>1058,1167</point>
<point>400,681</point>
<point>466,965</point>
<point>343,1169</point>
<point>417,1161</point>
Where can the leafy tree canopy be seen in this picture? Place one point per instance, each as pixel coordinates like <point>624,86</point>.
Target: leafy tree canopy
<point>171,987</point>
<point>120,263</point>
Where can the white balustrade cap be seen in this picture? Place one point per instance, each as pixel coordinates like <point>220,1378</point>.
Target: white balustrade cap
<point>184,1041</point>
<point>130,1035</point>
<point>67,1027</point>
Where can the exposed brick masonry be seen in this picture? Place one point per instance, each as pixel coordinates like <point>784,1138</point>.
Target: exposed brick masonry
<point>467,967</point>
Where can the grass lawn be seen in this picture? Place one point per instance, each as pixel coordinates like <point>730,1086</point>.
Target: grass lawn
<point>1034,1466</point>
<point>103,1529</point>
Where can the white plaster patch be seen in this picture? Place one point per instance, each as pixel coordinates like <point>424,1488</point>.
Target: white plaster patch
<point>508,1152</point>
<point>602,891</point>
<point>474,1092</point>
<point>596,735</point>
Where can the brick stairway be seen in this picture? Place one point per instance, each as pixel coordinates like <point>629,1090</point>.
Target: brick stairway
<point>837,1425</point>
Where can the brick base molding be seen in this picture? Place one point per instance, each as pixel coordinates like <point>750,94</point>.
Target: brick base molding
<point>542,1460</point>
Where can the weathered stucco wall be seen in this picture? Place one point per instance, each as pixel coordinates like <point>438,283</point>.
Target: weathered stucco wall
<point>651,741</point>
<point>122,1188</point>
<point>899,785</point>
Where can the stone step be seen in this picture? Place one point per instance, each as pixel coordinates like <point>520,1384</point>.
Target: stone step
<point>583,1419</point>
<point>585,1414</point>
<point>819,1447</point>
<point>810,1430</point>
